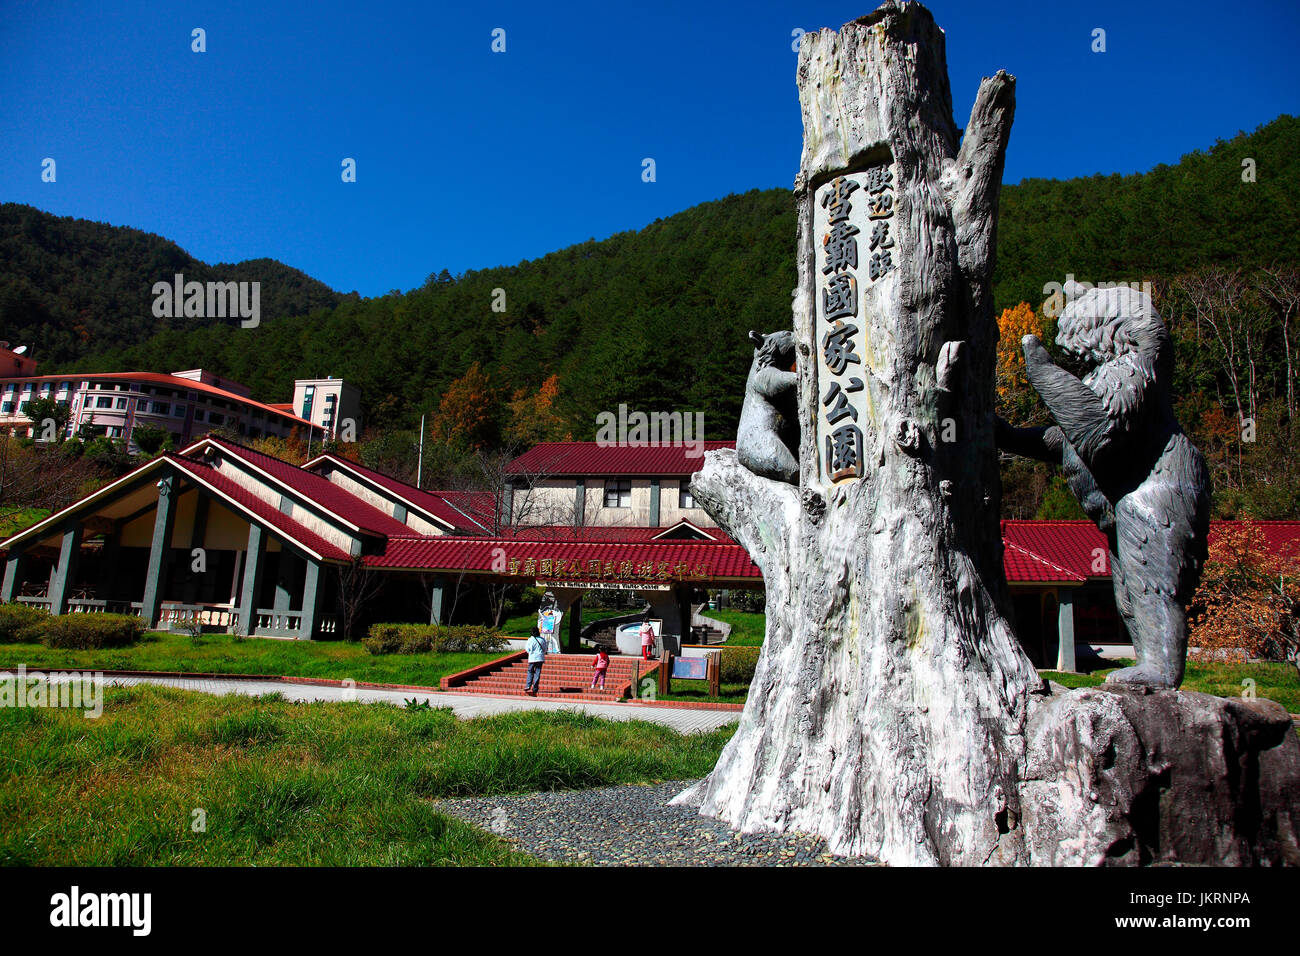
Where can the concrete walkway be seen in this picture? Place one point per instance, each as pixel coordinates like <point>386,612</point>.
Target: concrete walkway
<point>682,719</point>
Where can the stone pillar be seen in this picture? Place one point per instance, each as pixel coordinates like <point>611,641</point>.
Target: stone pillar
<point>159,551</point>
<point>575,627</point>
<point>580,504</point>
<point>13,576</point>
<point>65,571</point>
<point>654,502</point>
<point>1065,629</point>
<point>437,592</point>
<point>253,559</point>
<point>311,599</point>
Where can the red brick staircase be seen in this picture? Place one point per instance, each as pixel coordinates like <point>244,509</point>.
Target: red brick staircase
<point>564,677</point>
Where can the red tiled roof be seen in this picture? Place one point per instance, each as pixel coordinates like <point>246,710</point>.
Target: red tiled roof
<point>479,506</point>
<point>1076,546</point>
<point>1280,537</point>
<point>1080,548</point>
<point>591,458</point>
<point>273,517</point>
<point>683,560</point>
<point>1023,565</point>
<point>320,490</point>
<point>611,534</point>
<point>440,504</point>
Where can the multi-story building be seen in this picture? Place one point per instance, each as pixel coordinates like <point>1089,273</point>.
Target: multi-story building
<point>585,484</point>
<point>328,403</point>
<point>186,404</point>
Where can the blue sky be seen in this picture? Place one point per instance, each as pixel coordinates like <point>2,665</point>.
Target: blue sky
<point>468,159</point>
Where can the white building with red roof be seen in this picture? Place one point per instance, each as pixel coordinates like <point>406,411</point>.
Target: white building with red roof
<point>185,404</point>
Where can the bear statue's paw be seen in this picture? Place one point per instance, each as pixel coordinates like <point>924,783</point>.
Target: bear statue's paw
<point>1145,675</point>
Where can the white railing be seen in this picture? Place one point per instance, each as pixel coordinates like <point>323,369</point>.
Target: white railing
<point>273,623</point>
<point>175,616</point>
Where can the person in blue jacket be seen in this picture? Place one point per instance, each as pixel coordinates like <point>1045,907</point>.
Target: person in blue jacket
<point>536,648</point>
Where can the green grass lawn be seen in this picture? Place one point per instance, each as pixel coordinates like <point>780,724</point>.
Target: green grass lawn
<point>747,628</point>
<point>698,692</point>
<point>222,654</point>
<point>281,783</point>
<point>1279,682</point>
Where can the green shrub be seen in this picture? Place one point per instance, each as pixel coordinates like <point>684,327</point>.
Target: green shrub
<point>91,631</point>
<point>22,623</point>
<point>432,638</point>
<point>753,602</point>
<point>737,664</point>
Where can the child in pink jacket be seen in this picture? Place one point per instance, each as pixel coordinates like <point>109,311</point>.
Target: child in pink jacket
<point>601,665</point>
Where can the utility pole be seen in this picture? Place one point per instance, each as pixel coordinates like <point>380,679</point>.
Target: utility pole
<point>419,466</point>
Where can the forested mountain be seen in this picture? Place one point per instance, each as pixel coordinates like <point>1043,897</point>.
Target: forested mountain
<point>1155,224</point>
<point>70,287</point>
<point>656,318</point>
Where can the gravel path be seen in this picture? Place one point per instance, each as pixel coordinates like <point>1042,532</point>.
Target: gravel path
<point>633,826</point>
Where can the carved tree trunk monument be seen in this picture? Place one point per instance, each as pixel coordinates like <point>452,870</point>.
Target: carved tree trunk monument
<point>892,710</point>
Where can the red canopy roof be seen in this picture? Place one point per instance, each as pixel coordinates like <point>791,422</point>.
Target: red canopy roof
<point>621,562</point>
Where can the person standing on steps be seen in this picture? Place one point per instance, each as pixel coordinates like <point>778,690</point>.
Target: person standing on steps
<point>601,666</point>
<point>647,638</point>
<point>536,648</point>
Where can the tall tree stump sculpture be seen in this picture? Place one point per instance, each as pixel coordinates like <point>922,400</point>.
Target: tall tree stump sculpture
<point>893,710</point>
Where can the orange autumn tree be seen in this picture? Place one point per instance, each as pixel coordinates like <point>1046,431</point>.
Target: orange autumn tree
<point>1248,601</point>
<point>533,417</point>
<point>465,416</point>
<point>1016,400</point>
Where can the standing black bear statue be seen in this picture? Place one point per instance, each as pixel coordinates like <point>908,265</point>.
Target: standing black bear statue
<point>1128,462</point>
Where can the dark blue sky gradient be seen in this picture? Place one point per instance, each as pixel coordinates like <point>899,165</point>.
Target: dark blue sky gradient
<point>469,159</point>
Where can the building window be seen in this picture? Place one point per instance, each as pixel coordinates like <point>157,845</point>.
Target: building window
<point>308,396</point>
<point>160,408</point>
<point>198,414</point>
<point>121,403</point>
<point>618,494</point>
<point>178,411</point>
<point>8,408</point>
<point>684,497</point>
<point>215,419</point>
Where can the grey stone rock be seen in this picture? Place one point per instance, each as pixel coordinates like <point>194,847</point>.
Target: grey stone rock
<point>1125,775</point>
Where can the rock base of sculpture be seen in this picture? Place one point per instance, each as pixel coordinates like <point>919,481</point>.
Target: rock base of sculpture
<point>1127,776</point>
